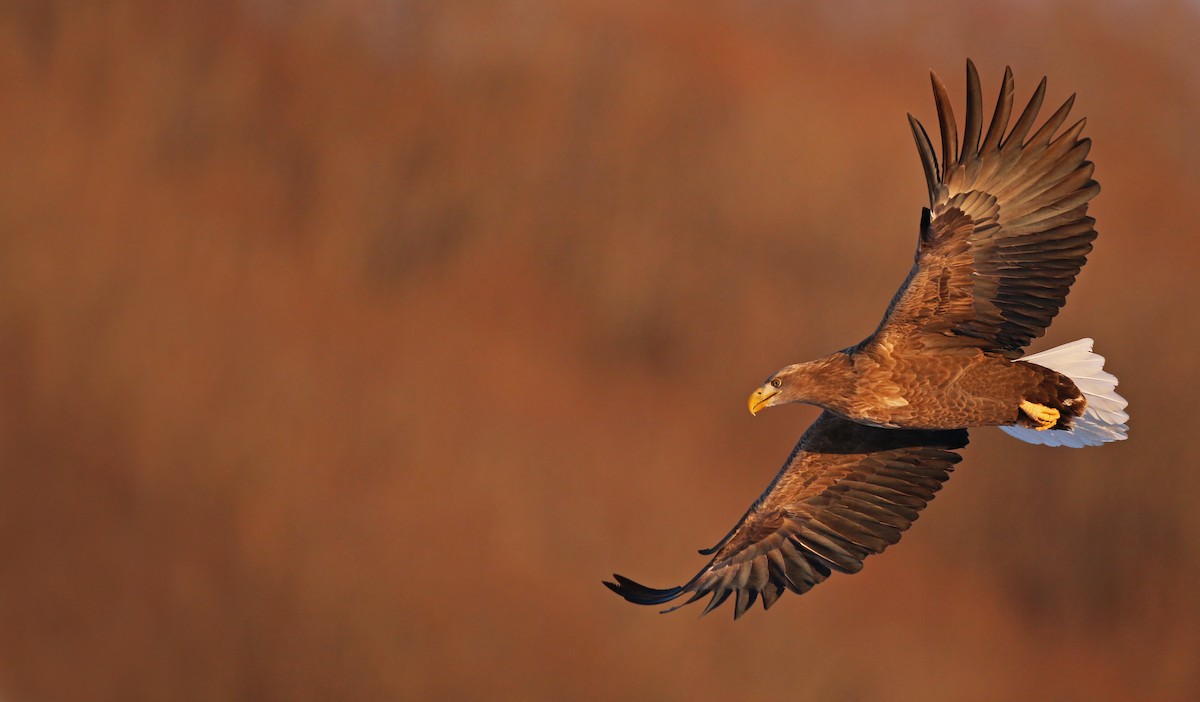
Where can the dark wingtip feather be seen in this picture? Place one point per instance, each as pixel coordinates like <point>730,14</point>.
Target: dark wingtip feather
<point>1016,138</point>
<point>974,120</point>
<point>718,599</point>
<point>745,599</point>
<point>949,127</point>
<point>637,593</point>
<point>1000,117</point>
<point>1055,121</point>
<point>928,161</point>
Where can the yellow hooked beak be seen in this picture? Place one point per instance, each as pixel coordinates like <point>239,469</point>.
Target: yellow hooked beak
<point>758,398</point>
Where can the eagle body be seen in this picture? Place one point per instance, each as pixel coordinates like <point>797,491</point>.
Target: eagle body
<point>1004,235</point>
<point>882,386</point>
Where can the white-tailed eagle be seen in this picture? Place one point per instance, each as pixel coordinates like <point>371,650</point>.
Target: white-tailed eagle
<point>1000,244</point>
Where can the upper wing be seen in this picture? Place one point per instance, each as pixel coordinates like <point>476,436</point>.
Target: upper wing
<point>1007,230</point>
<point>847,491</point>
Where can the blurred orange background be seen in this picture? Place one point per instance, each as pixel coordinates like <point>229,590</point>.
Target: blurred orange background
<point>347,346</point>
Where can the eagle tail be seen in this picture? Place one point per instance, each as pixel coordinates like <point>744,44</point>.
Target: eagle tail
<point>1103,420</point>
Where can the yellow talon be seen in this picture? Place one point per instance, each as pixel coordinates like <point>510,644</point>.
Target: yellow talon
<point>1045,417</point>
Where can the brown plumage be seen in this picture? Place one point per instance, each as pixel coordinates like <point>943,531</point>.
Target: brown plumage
<point>1000,244</point>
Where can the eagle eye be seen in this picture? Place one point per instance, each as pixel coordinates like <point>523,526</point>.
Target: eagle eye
<point>776,382</point>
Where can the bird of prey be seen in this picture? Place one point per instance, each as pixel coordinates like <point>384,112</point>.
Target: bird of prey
<point>1004,236</point>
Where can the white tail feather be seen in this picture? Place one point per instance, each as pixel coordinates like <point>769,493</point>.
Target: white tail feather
<point>1104,419</point>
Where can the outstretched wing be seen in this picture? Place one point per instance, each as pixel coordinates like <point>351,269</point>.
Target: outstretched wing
<point>847,491</point>
<point>1007,228</point>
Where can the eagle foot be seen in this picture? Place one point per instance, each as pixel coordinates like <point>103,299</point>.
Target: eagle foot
<point>1043,417</point>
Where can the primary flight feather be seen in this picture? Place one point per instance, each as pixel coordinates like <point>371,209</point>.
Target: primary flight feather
<point>1005,234</point>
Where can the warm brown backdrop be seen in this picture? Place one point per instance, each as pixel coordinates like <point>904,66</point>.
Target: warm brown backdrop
<point>345,348</point>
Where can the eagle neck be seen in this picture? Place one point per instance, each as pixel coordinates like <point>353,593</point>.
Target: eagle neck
<point>828,382</point>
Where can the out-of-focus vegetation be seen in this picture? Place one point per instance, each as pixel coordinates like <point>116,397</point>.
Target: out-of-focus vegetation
<point>345,347</point>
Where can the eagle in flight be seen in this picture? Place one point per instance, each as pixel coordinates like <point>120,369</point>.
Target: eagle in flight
<point>1004,236</point>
